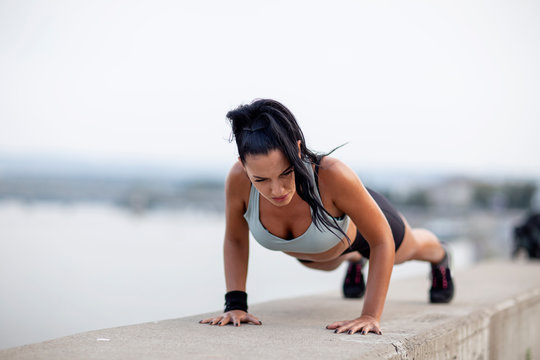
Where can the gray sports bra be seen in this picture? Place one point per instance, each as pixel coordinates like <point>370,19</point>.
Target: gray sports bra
<point>312,241</point>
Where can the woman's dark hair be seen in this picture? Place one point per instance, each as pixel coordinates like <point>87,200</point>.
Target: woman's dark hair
<point>266,125</point>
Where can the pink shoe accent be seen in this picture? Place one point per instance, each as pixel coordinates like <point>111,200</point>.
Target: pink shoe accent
<point>444,280</point>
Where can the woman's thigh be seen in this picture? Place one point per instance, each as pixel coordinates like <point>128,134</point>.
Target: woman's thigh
<point>413,240</point>
<point>408,246</point>
<point>419,244</point>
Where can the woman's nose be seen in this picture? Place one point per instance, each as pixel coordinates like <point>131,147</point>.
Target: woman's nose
<point>277,189</point>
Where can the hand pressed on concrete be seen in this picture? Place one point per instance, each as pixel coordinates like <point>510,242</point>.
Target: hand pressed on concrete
<point>235,317</point>
<point>364,324</point>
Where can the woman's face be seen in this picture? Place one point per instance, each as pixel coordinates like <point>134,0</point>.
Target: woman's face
<point>272,175</point>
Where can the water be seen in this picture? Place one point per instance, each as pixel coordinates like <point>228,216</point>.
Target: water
<point>71,268</point>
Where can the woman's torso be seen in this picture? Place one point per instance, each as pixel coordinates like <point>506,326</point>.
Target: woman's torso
<point>293,223</point>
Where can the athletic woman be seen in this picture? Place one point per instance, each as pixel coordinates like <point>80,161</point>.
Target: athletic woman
<point>315,208</point>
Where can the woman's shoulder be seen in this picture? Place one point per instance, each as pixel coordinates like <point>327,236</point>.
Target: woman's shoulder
<point>237,183</point>
<point>335,169</point>
<point>335,174</point>
<point>237,169</point>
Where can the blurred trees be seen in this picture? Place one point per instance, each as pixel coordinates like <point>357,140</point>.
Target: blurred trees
<point>467,193</point>
<point>513,195</point>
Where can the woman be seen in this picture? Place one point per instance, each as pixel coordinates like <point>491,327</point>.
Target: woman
<point>316,209</point>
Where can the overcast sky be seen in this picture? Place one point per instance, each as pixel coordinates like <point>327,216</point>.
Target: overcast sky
<point>451,85</point>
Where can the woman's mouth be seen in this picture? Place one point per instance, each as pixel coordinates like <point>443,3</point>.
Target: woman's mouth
<point>280,199</point>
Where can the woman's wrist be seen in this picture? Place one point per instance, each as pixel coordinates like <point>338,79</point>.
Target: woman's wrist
<point>236,300</point>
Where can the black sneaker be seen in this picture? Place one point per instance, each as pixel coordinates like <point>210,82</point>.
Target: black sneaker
<point>354,286</point>
<point>442,286</point>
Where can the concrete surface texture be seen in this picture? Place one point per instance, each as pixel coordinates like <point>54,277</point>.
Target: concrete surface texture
<point>495,315</point>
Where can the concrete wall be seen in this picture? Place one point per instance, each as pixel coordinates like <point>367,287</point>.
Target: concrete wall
<point>495,315</point>
<point>514,328</point>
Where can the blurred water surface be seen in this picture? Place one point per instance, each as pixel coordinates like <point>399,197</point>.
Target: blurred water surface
<point>71,268</point>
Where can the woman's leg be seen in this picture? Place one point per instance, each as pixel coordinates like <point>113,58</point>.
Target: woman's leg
<point>419,244</point>
<point>354,285</point>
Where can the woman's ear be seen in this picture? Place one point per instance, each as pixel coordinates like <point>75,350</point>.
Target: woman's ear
<point>299,142</point>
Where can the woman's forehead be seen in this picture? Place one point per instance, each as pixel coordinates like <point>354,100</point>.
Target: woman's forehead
<point>271,162</point>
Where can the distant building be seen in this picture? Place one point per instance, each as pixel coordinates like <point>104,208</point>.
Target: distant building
<point>454,192</point>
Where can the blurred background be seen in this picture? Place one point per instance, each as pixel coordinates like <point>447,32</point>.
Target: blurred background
<point>114,145</point>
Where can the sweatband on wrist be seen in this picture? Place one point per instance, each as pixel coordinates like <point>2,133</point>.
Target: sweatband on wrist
<point>236,300</point>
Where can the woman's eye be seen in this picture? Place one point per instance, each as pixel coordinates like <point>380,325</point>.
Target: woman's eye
<point>259,180</point>
<point>288,173</point>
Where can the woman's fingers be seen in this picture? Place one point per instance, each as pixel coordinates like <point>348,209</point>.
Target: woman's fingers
<point>247,318</point>
<point>211,321</point>
<point>336,324</point>
<point>342,329</point>
<point>362,325</point>
<point>340,326</point>
<point>364,330</point>
<point>224,321</point>
<point>233,318</point>
<point>359,328</point>
<point>253,319</point>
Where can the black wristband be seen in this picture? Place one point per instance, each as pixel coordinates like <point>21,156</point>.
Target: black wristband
<point>236,300</point>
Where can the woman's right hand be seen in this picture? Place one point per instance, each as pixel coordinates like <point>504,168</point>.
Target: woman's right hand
<point>235,317</point>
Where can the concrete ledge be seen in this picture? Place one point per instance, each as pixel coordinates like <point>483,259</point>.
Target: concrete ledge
<point>495,315</point>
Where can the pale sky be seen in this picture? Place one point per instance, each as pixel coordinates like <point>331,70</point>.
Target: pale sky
<point>451,85</point>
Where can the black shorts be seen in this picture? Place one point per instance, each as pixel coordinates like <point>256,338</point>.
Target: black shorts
<point>397,226</point>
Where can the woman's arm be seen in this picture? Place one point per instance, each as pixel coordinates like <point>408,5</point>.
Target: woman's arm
<point>235,245</point>
<point>236,242</point>
<point>349,195</point>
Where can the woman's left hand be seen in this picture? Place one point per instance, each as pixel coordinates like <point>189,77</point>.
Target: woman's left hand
<point>364,324</point>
